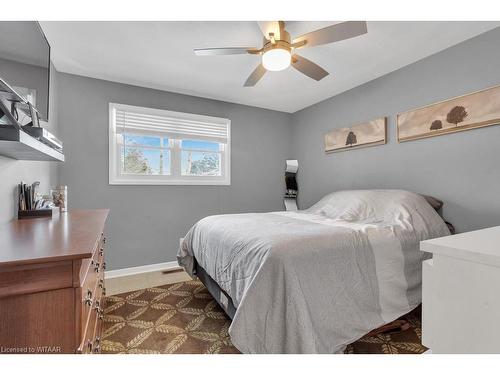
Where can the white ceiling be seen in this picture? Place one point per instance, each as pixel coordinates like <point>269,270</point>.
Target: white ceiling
<point>160,55</point>
<point>22,41</point>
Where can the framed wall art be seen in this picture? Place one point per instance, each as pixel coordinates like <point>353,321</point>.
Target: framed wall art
<point>475,110</point>
<point>369,133</point>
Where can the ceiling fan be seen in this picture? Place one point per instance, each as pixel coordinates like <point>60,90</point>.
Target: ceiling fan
<point>278,50</point>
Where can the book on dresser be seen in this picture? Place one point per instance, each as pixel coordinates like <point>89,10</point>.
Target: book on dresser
<point>52,283</point>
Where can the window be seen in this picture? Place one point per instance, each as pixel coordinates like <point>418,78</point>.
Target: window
<point>156,147</point>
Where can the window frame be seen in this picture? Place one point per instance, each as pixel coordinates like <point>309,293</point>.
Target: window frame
<point>116,177</point>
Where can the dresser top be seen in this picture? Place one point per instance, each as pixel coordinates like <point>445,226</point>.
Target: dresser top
<point>481,246</point>
<point>72,235</point>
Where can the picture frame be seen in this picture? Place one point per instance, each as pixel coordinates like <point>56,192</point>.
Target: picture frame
<point>364,134</point>
<point>470,111</point>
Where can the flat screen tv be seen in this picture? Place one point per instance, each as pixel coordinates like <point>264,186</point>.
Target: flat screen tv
<point>25,63</point>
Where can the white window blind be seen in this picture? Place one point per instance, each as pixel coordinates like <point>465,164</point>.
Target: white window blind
<point>173,125</point>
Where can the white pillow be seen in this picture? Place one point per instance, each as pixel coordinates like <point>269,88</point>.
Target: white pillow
<point>369,205</point>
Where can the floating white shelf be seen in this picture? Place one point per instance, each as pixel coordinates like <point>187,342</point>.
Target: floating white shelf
<point>16,144</point>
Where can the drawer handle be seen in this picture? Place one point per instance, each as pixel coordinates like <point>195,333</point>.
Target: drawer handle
<point>101,283</point>
<point>88,299</point>
<point>99,310</point>
<point>97,345</point>
<point>104,266</point>
<point>101,252</point>
<point>96,266</point>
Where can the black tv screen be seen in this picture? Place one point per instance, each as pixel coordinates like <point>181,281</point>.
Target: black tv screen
<point>25,62</point>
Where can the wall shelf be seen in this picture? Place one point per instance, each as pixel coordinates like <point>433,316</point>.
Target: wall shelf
<point>16,144</point>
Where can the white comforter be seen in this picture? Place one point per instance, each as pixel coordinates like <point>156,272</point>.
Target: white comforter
<point>314,281</point>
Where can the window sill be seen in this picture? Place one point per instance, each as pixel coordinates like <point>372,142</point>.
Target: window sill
<point>193,182</point>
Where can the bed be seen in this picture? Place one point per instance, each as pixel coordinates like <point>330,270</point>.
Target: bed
<point>315,280</point>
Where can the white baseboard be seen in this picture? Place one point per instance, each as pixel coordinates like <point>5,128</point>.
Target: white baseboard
<point>134,278</point>
<point>141,269</point>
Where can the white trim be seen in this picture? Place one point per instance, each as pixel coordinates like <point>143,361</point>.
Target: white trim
<point>135,278</point>
<point>169,182</point>
<point>123,272</point>
<point>112,145</point>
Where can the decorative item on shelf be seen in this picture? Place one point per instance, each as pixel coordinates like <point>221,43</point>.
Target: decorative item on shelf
<point>28,196</point>
<point>290,200</point>
<point>31,204</point>
<point>366,134</point>
<point>475,110</point>
<point>60,197</point>
<point>41,212</point>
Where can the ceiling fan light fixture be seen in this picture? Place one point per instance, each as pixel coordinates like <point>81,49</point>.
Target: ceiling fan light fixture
<point>278,46</point>
<point>276,59</point>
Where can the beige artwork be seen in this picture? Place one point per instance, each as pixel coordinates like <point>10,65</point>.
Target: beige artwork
<point>366,134</point>
<point>466,112</point>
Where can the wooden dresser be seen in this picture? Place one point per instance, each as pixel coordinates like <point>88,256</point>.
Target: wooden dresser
<point>52,283</point>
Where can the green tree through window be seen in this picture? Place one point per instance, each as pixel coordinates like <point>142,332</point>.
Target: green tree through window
<point>135,162</point>
<point>208,165</point>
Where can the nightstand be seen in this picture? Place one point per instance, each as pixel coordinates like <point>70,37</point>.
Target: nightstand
<point>461,293</point>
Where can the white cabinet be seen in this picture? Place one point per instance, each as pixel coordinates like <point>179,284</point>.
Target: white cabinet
<point>461,293</point>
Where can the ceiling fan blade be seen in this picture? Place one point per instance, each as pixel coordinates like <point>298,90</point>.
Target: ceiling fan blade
<point>334,33</point>
<point>275,27</point>
<point>308,68</point>
<point>223,51</point>
<point>256,75</point>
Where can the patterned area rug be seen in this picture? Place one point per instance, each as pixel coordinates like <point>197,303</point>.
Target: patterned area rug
<point>184,318</point>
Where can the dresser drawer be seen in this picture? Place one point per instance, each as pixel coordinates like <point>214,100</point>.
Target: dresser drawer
<point>34,278</point>
<point>89,263</point>
<point>93,323</point>
<point>91,292</point>
<point>101,304</point>
<point>92,343</point>
<point>96,343</point>
<point>88,295</point>
<point>86,344</point>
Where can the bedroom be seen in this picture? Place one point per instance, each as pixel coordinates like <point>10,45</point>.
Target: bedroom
<point>171,169</point>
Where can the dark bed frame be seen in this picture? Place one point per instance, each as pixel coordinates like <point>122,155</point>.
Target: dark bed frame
<point>222,298</point>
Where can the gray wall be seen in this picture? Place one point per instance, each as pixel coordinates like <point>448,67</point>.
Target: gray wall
<point>462,169</point>
<point>146,222</point>
<point>13,171</point>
